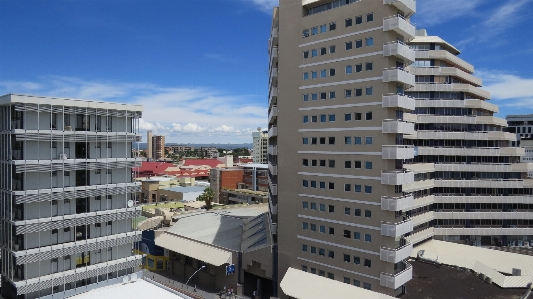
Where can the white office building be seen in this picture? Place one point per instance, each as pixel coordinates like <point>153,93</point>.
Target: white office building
<point>66,194</point>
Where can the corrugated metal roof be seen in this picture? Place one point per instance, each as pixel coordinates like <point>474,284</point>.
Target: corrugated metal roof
<point>196,250</point>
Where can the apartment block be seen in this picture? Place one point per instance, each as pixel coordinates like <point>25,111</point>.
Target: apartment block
<point>482,194</point>
<point>260,146</point>
<point>341,178</point>
<point>66,194</point>
<point>158,147</point>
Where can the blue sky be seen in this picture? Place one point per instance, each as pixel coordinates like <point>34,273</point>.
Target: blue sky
<point>200,67</point>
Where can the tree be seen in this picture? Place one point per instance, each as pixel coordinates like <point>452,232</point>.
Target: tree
<point>207,196</point>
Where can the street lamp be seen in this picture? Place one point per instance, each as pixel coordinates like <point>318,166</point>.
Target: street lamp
<point>193,274</point>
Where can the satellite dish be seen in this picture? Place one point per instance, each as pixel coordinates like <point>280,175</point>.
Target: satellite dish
<point>130,203</point>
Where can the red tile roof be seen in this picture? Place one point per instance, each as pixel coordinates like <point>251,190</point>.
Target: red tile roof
<point>152,168</point>
<point>199,162</point>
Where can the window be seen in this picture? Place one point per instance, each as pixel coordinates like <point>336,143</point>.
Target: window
<point>368,165</point>
<point>368,66</point>
<point>358,92</point>
<point>321,273</point>
<point>347,164</point>
<point>322,207</point>
<point>332,49</point>
<point>313,162</point>
<point>322,163</point>
<point>305,140</point>
<point>357,188</point>
<point>358,43</point>
<point>304,268</point>
<point>314,74</point>
<point>347,211</point>
<point>369,91</point>
<point>347,259</point>
<point>367,286</point>
<point>332,26</point>
<point>304,247</point>
<point>306,54</point>
<point>346,280</point>
<point>331,72</point>
<point>322,95</point>
<point>322,140</point>
<point>313,206</point>
<point>322,185</point>
<point>356,283</point>
<point>359,20</point>
<point>331,185</point>
<point>324,28</point>
<point>322,229</point>
<point>53,144</point>
<point>348,69</point>
<point>305,225</point>
<point>313,184</point>
<point>313,227</point>
<point>313,270</point>
<point>331,140</point>
<point>305,33</point>
<point>357,235</point>
<point>368,238</point>
<point>323,51</point>
<point>322,118</point>
<point>306,76</point>
<point>313,250</point>
<point>348,22</point>
<point>348,139</point>
<point>306,97</point>
<point>321,251</point>
<point>314,53</point>
<point>332,95</point>
<point>313,140</point>
<point>347,187</point>
<point>331,230</point>
<point>305,204</point>
<point>305,183</point>
<point>323,74</point>
<point>331,163</point>
<point>356,260</point>
<point>348,117</point>
<point>306,119</point>
<point>357,116</point>
<point>347,234</point>
<point>370,17</point>
<point>348,46</point>
<point>359,68</point>
<point>66,173</point>
<point>314,118</point>
<point>368,140</point>
<point>314,97</point>
<point>331,254</point>
<point>347,93</point>
<point>357,140</point>
<point>331,117</point>
<point>331,208</point>
<point>357,212</point>
<point>368,189</point>
<point>314,31</point>
<point>369,41</point>
<point>357,164</point>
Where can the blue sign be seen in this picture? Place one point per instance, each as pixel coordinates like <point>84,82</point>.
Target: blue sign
<point>230,269</point>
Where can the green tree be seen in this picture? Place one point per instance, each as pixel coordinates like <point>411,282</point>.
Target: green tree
<point>207,196</point>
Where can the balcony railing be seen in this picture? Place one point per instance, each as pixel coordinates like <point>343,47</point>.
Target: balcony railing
<point>396,255</point>
<point>273,97</point>
<point>397,280</point>
<point>273,132</point>
<point>399,25</point>
<point>272,150</point>
<point>482,183</point>
<point>397,178</point>
<point>397,229</point>
<point>396,203</point>
<point>407,6</point>
<point>273,168</point>
<point>273,188</point>
<point>399,50</point>
<point>393,126</point>
<point>272,114</point>
<point>397,152</point>
<point>484,231</point>
<point>399,75</point>
<point>398,101</point>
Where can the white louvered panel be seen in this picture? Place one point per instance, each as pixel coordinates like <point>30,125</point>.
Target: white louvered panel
<point>81,165</point>
<point>78,136</point>
<point>103,190</point>
<point>76,110</point>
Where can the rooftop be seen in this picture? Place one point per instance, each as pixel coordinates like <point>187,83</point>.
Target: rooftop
<point>197,162</point>
<point>186,189</point>
<point>43,100</point>
<point>255,165</point>
<point>138,289</point>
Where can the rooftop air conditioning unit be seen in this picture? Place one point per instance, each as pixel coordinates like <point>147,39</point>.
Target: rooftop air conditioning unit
<point>63,156</point>
<point>68,128</point>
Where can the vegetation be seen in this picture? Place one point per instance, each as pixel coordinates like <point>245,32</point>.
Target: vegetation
<point>207,196</point>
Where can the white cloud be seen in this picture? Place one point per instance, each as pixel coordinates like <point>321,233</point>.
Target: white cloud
<point>427,14</point>
<point>182,114</point>
<point>508,89</point>
<point>265,5</point>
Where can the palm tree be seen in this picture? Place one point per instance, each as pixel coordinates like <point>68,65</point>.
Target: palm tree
<point>207,196</point>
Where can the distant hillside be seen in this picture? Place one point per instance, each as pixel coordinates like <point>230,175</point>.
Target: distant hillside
<point>142,146</point>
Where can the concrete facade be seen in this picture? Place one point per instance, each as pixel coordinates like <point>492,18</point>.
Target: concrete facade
<point>66,194</point>
<point>260,146</point>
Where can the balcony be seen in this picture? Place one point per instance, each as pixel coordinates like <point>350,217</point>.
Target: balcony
<point>273,97</point>
<point>273,57</point>
<point>397,127</point>
<point>484,215</point>
<point>462,198</point>
<point>273,169</point>
<point>454,151</point>
<point>446,56</point>
<point>272,114</point>
<point>482,183</point>
<point>398,101</point>
<point>399,75</point>
<point>273,188</point>
<point>477,167</point>
<point>396,204</point>
<point>397,178</point>
<point>452,87</point>
<point>445,72</point>
<point>396,255</point>
<point>421,235</point>
<point>468,103</point>
<point>273,132</point>
<point>407,6</point>
<point>423,218</point>
<point>399,25</point>
<point>418,185</point>
<point>274,34</point>
<point>420,167</point>
<point>273,76</point>
<point>397,280</point>
<point>397,152</point>
<point>484,231</point>
<point>399,50</point>
<point>272,150</point>
<point>397,229</point>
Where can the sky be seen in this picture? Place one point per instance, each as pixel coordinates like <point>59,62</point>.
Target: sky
<point>200,67</point>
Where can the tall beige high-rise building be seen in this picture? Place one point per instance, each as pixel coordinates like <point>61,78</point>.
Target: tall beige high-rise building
<point>380,139</point>
<point>149,153</point>
<point>341,178</point>
<point>260,146</point>
<point>158,147</point>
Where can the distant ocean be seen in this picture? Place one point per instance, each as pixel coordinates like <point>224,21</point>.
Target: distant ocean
<point>142,146</point>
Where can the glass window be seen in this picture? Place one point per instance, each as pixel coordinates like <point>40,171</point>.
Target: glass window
<point>331,186</point>
<point>357,140</point>
<point>356,283</point>
<point>314,30</point>
<point>305,204</point>
<point>331,254</point>
<point>346,279</point>
<point>322,118</point>
<point>332,49</point>
<point>368,66</point>
<point>358,92</point>
<point>368,214</point>
<point>305,183</point>
<point>331,117</point>
<point>359,43</point>
<point>323,51</point>
<point>348,22</point>
<point>313,270</point>
<point>347,233</point>
<point>323,74</point>
<point>314,74</point>
<point>348,139</point>
<point>322,229</point>
<point>349,45</point>
<point>305,225</point>
<point>368,165</point>
<point>357,235</point>
<point>322,252</point>
<point>358,67</point>
<point>322,207</point>
<point>313,162</point>
<point>331,140</point>
<point>369,41</point>
<point>313,184</point>
<point>368,140</point>
<point>314,118</point>
<point>369,91</point>
<point>332,26</point>
<point>357,188</point>
<point>306,119</point>
<point>321,273</point>
<point>313,206</point>
<point>356,260</point>
<point>306,54</point>
<point>331,72</point>
<point>304,247</point>
<point>313,227</point>
<point>313,140</point>
<point>313,250</point>
<point>322,185</point>
<point>348,69</point>
<point>305,97</point>
<point>359,20</point>
<point>332,95</point>
<point>314,96</point>
<point>348,164</point>
<point>347,93</point>
<point>305,140</point>
<point>348,117</point>
<point>370,17</point>
<point>305,33</point>
<point>323,28</point>
<point>306,76</point>
<point>357,164</point>
<point>331,163</point>
<point>368,189</point>
<point>314,53</point>
<point>347,211</point>
<point>322,163</point>
<point>331,208</point>
<point>347,187</point>
<point>368,116</point>
<point>367,286</point>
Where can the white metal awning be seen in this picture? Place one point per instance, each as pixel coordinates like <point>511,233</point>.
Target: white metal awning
<point>304,285</point>
<point>209,254</point>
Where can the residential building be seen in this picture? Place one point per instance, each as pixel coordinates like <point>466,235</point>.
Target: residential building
<point>339,187</point>
<point>482,194</point>
<point>527,145</point>
<point>207,152</point>
<point>149,152</point>
<point>255,177</point>
<point>521,125</point>
<point>260,146</point>
<point>176,149</point>
<point>158,147</point>
<point>66,194</point>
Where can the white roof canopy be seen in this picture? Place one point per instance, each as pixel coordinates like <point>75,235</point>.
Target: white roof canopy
<point>196,250</point>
